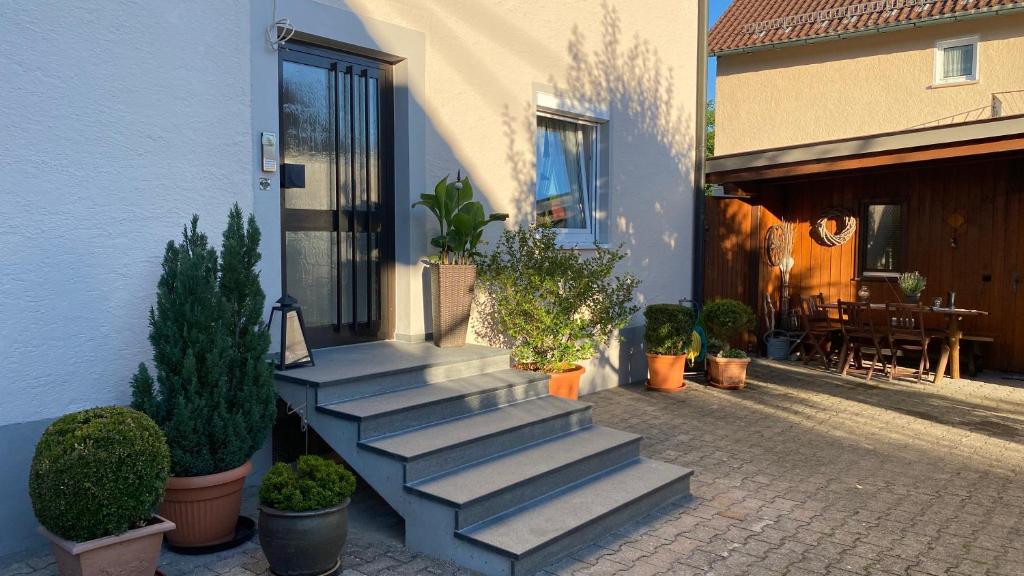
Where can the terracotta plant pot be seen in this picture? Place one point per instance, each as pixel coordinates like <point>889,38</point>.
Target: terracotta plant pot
<point>728,373</point>
<point>451,301</point>
<point>132,553</point>
<point>205,508</point>
<point>566,384</point>
<point>666,373</point>
<point>304,543</point>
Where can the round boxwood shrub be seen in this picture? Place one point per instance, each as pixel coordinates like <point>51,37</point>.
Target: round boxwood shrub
<point>726,319</point>
<point>669,329</point>
<point>98,472</point>
<point>313,483</point>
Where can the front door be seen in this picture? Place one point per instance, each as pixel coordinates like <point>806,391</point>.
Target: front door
<point>336,193</point>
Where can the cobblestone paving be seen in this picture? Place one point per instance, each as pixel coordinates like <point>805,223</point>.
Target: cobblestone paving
<point>803,473</point>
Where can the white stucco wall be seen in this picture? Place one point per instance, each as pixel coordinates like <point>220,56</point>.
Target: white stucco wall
<point>119,120</point>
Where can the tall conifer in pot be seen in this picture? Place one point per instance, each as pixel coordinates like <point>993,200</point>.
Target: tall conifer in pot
<point>213,394</point>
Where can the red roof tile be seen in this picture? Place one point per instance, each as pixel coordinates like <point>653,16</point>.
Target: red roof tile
<point>750,23</point>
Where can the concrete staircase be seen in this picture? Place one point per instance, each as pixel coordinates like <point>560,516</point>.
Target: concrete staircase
<point>488,470</point>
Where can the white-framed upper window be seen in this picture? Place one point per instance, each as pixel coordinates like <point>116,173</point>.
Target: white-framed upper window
<point>956,60</point>
<point>569,170</point>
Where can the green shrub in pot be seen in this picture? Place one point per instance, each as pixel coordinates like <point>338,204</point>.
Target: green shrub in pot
<point>304,515</point>
<point>724,320</point>
<point>552,306</point>
<point>669,329</point>
<point>668,337</point>
<point>213,392</point>
<point>98,472</point>
<point>96,479</point>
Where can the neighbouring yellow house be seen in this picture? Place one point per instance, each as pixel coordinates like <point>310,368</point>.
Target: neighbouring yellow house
<point>793,72</point>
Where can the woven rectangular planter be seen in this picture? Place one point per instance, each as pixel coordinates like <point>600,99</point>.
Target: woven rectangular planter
<point>451,300</point>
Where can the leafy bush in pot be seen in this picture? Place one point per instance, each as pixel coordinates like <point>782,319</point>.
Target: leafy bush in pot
<point>552,306</point>
<point>313,483</point>
<point>726,319</point>
<point>669,329</point>
<point>460,218</point>
<point>214,394</point>
<point>98,472</point>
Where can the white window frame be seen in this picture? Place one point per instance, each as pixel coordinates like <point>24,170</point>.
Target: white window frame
<point>551,106</point>
<point>940,61</point>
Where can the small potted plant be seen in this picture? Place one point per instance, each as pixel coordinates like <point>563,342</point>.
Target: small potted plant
<point>304,516</point>
<point>213,395</point>
<point>452,274</point>
<point>912,284</point>
<point>96,479</point>
<point>724,320</point>
<point>552,306</point>
<point>668,336</point>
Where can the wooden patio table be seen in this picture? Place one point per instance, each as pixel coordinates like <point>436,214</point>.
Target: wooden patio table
<point>953,334</point>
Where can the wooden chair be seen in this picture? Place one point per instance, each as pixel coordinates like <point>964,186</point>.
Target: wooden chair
<point>906,332</point>
<point>819,329</point>
<point>858,333</point>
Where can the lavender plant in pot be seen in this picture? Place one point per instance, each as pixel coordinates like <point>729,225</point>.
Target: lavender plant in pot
<point>912,284</point>
<point>461,221</point>
<point>724,320</point>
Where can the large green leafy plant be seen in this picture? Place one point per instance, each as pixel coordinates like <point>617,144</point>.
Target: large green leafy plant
<point>726,319</point>
<point>460,218</point>
<point>313,483</point>
<point>213,395</point>
<point>552,306</point>
<point>98,472</point>
<point>669,329</point>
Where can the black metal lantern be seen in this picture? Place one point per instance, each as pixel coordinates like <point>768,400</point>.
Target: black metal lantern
<point>294,348</point>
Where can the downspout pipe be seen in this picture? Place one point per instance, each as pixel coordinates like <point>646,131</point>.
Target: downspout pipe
<point>697,290</point>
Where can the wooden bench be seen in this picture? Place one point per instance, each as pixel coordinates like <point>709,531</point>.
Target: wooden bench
<point>976,341</point>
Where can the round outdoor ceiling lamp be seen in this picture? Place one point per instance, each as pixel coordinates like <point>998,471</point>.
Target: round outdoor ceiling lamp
<point>846,227</point>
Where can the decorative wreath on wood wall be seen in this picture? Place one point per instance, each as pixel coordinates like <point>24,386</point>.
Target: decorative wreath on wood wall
<point>846,227</point>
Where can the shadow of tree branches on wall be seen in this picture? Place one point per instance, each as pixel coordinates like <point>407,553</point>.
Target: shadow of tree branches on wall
<point>650,177</point>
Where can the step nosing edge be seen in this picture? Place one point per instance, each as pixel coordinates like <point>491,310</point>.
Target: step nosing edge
<point>579,526</point>
<point>544,473</point>
<point>461,443</point>
<point>392,411</point>
<point>435,364</point>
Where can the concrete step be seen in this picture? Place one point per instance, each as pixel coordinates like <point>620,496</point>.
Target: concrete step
<point>484,489</point>
<point>348,372</point>
<point>446,445</point>
<point>551,527</point>
<point>392,412</point>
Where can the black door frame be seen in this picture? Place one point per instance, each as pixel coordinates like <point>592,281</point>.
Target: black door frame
<point>334,60</point>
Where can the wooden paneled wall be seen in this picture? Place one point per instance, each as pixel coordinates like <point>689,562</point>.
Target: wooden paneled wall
<point>986,268</point>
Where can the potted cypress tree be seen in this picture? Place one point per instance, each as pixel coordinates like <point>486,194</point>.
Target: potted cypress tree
<point>213,395</point>
<point>95,482</point>
<point>724,320</point>
<point>553,307</point>
<point>668,337</point>
<point>304,516</point>
<point>452,274</point>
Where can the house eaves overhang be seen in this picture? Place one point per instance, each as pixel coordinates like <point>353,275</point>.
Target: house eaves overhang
<point>968,139</point>
<point>884,28</point>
